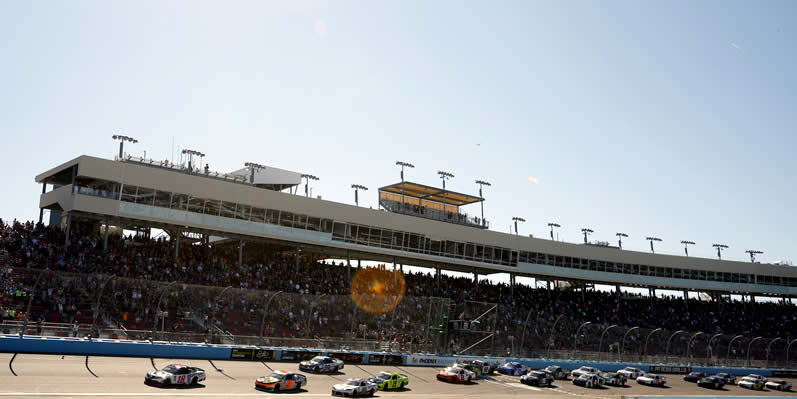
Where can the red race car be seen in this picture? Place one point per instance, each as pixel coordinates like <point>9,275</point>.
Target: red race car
<point>456,375</point>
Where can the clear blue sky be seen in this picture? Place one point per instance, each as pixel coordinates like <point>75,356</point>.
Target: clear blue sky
<point>673,119</point>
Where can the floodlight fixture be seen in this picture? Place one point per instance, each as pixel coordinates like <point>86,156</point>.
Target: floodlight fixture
<point>252,167</point>
<point>122,140</point>
<point>587,231</point>
<point>482,183</point>
<point>753,253</point>
<point>651,239</point>
<point>620,239</point>
<point>720,248</point>
<point>552,225</point>
<point>403,165</point>
<point>191,154</point>
<point>356,188</point>
<point>687,243</point>
<point>517,219</point>
<point>307,178</point>
<point>445,176</point>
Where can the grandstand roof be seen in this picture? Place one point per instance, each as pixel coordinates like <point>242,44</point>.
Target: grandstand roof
<point>429,193</point>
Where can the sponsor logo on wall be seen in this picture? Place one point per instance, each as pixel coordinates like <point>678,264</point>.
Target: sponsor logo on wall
<point>417,360</point>
<point>251,354</point>
<point>784,373</point>
<point>348,357</point>
<point>670,370</point>
<point>299,355</point>
<point>385,359</point>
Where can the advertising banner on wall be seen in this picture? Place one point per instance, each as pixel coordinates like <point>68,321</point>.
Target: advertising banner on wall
<point>348,357</point>
<point>430,360</point>
<point>670,369</point>
<point>299,355</point>
<point>381,358</point>
<point>251,354</point>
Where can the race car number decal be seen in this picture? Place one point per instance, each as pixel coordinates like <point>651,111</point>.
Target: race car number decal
<point>181,379</point>
<point>288,384</point>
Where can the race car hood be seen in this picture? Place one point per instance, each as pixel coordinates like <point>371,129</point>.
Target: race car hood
<point>376,380</point>
<point>158,374</point>
<point>267,380</point>
<point>308,363</point>
<point>342,387</point>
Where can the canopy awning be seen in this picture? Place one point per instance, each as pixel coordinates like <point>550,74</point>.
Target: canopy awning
<point>428,193</point>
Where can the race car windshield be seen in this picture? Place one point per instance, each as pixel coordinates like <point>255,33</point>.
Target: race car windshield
<point>277,375</point>
<point>317,359</point>
<point>451,370</point>
<point>353,383</point>
<point>384,376</point>
<point>170,369</point>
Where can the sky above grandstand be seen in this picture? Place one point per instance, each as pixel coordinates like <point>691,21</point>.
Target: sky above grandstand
<point>672,119</point>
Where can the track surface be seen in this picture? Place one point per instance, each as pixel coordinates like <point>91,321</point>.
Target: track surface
<point>41,376</point>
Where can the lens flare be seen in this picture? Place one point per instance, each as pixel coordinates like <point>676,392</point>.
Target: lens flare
<point>377,290</point>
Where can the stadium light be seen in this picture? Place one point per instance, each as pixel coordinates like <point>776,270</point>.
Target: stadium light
<point>122,140</point>
<point>622,343</point>
<point>651,239</point>
<point>667,352</point>
<point>482,183</point>
<point>689,344</point>
<point>307,179</point>
<point>552,225</point>
<point>620,239</point>
<point>730,345</point>
<point>587,231</point>
<point>720,248</point>
<point>403,165</point>
<point>686,246</point>
<point>648,339</point>
<point>517,219</point>
<point>191,154</point>
<point>357,187</point>
<point>600,342</point>
<point>445,176</point>
<point>753,253</point>
<point>252,167</point>
<point>575,337</point>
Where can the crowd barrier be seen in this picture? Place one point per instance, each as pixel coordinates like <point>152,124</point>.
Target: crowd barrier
<point>160,349</point>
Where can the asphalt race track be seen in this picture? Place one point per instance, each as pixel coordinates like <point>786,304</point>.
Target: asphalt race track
<point>42,376</point>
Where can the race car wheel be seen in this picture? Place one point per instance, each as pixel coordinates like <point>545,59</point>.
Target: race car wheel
<point>276,387</point>
<point>298,386</point>
<point>193,381</point>
<point>401,385</point>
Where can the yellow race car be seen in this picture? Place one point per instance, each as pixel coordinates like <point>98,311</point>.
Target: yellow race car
<point>386,380</point>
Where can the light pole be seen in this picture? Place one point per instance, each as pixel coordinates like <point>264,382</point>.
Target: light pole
<point>709,350</point>
<point>252,167</point>
<point>622,343</point>
<point>720,248</point>
<point>686,246</point>
<point>122,140</point>
<point>648,339</point>
<point>587,231</point>
<point>753,253</point>
<point>769,347</point>
<point>307,179</point>
<point>667,351</point>
<point>651,239</point>
<point>575,337</point>
<point>620,237</point>
<point>730,344</point>
<point>356,188</point>
<point>482,183</point>
<point>445,176</point>
<point>191,154</point>
<point>600,342</point>
<point>517,219</point>
<point>750,346</point>
<point>403,164</point>
<point>689,345</point>
<point>789,347</point>
<point>552,225</point>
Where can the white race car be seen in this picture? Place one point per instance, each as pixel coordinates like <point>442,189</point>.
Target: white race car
<point>584,370</point>
<point>354,387</point>
<point>321,364</point>
<point>778,385</point>
<point>631,373</point>
<point>175,374</point>
<point>652,379</point>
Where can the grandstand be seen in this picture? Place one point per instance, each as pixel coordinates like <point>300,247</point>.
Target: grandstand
<point>269,279</point>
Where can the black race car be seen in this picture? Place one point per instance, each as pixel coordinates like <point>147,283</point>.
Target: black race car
<point>537,377</point>
<point>694,376</point>
<point>713,382</point>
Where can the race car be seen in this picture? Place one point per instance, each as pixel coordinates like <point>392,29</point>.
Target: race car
<point>175,374</point>
<point>757,377</point>
<point>478,366</point>
<point>470,367</point>
<point>557,372</point>
<point>728,378</point>
<point>487,367</point>
<point>631,373</point>
<point>588,380</point>
<point>456,375</point>
<point>281,381</point>
<point>751,383</point>
<point>584,370</point>
<point>652,379</point>
<point>321,364</point>
<point>615,379</point>
<point>386,380</point>
<point>513,368</point>
<point>713,382</point>
<point>537,377</point>
<point>354,387</point>
<point>778,385</point>
<point>694,376</point>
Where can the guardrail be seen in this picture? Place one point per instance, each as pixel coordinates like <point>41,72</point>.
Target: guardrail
<point>182,350</point>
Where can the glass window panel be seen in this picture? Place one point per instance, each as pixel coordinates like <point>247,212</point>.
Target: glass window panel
<point>258,215</point>
<point>163,199</point>
<point>196,205</point>
<point>179,201</point>
<point>299,221</point>
<point>129,193</point>
<point>227,209</point>
<point>398,240</point>
<point>286,219</point>
<point>242,212</point>
<point>326,225</point>
<point>212,207</point>
<point>363,235</point>
<point>313,223</point>
<point>145,196</point>
<point>272,216</point>
<point>339,230</point>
